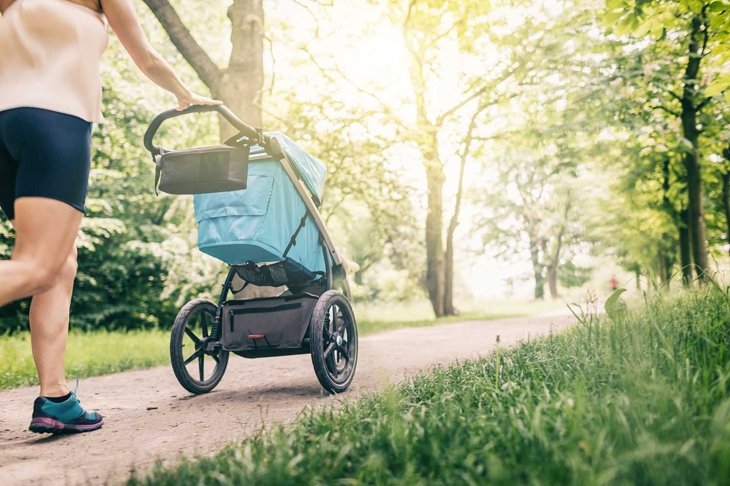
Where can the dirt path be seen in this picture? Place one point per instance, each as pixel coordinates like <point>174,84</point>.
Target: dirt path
<point>149,416</point>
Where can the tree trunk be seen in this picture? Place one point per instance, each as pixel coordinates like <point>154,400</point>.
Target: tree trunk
<point>240,84</point>
<point>666,255</point>
<point>552,278</point>
<point>554,263</point>
<point>696,219</point>
<point>434,235</point>
<point>428,145</point>
<point>537,268</point>
<point>665,263</point>
<point>449,308</point>
<point>685,248</point>
<point>726,196</point>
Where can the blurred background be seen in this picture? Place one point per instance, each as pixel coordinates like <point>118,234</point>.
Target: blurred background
<point>485,157</point>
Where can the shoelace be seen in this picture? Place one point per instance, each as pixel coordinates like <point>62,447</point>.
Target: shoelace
<point>73,392</point>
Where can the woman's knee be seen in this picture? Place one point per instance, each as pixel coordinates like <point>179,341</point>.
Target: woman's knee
<point>70,267</point>
<point>44,275</point>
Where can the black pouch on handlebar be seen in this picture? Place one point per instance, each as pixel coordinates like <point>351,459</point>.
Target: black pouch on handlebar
<point>202,170</point>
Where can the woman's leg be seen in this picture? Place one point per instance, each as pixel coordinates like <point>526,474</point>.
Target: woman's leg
<point>45,267</point>
<point>45,232</point>
<point>49,318</point>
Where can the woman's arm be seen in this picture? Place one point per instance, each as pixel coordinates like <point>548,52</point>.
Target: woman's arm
<point>123,20</point>
<point>4,4</point>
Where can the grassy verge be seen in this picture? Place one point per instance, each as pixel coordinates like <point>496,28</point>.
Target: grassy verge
<point>87,354</point>
<point>643,400</point>
<point>98,353</point>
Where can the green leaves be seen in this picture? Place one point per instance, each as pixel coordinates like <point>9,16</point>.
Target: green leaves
<point>719,6</point>
<point>615,307</point>
<point>719,84</point>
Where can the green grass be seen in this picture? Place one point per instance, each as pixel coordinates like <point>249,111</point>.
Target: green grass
<point>98,353</point>
<point>644,400</point>
<point>87,354</point>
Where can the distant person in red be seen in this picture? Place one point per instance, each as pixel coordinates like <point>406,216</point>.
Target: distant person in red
<point>613,282</point>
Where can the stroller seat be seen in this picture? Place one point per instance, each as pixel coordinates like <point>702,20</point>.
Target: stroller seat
<point>267,221</point>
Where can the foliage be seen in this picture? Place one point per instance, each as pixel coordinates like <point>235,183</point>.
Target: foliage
<point>643,400</point>
<point>575,101</point>
<point>536,206</point>
<point>669,68</point>
<point>366,204</point>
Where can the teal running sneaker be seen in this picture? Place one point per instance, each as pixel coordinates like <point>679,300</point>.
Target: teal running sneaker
<point>65,417</point>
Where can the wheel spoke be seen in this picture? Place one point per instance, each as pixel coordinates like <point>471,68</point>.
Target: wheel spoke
<point>344,353</point>
<point>201,367</point>
<point>329,349</point>
<point>192,336</point>
<point>326,328</point>
<point>332,365</point>
<point>341,320</point>
<point>196,354</point>
<point>204,324</point>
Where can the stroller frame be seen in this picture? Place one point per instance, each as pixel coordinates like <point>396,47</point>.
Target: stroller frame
<point>331,331</point>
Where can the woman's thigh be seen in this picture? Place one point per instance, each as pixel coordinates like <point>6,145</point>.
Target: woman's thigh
<point>45,232</point>
<point>43,154</point>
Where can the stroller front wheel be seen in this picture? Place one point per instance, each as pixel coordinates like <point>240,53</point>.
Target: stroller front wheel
<point>333,341</point>
<point>196,356</point>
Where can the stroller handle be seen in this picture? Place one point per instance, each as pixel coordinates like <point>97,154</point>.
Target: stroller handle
<point>224,111</point>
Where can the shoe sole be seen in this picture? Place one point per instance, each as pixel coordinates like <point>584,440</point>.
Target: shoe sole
<point>46,425</point>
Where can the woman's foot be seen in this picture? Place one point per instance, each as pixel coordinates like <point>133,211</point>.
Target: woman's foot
<point>67,416</point>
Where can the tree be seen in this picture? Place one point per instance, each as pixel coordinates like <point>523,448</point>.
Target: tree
<point>239,84</point>
<point>699,29</point>
<point>534,207</point>
<point>429,27</point>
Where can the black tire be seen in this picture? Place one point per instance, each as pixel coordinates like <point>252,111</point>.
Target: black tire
<point>334,359</point>
<point>192,329</point>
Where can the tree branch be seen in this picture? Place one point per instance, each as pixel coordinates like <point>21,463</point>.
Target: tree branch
<point>703,103</point>
<point>483,89</point>
<point>468,140</point>
<point>184,41</point>
<point>668,110</point>
<point>326,72</point>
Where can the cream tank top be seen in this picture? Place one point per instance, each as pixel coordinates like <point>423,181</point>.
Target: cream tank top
<point>50,57</point>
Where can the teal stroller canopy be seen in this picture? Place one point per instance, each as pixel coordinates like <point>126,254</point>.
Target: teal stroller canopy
<point>260,223</point>
<point>310,170</point>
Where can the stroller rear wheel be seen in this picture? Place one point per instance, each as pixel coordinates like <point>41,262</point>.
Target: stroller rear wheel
<point>195,351</point>
<point>333,341</point>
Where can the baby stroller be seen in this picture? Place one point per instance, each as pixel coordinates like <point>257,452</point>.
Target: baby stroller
<point>286,291</point>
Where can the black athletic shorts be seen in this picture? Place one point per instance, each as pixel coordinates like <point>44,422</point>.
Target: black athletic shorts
<point>43,154</point>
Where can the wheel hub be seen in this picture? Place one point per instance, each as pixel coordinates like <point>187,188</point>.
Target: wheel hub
<point>339,340</point>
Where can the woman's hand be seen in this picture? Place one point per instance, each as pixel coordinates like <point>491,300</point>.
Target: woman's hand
<point>123,20</point>
<point>190,99</point>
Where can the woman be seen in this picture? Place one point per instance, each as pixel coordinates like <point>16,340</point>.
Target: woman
<point>50,93</point>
